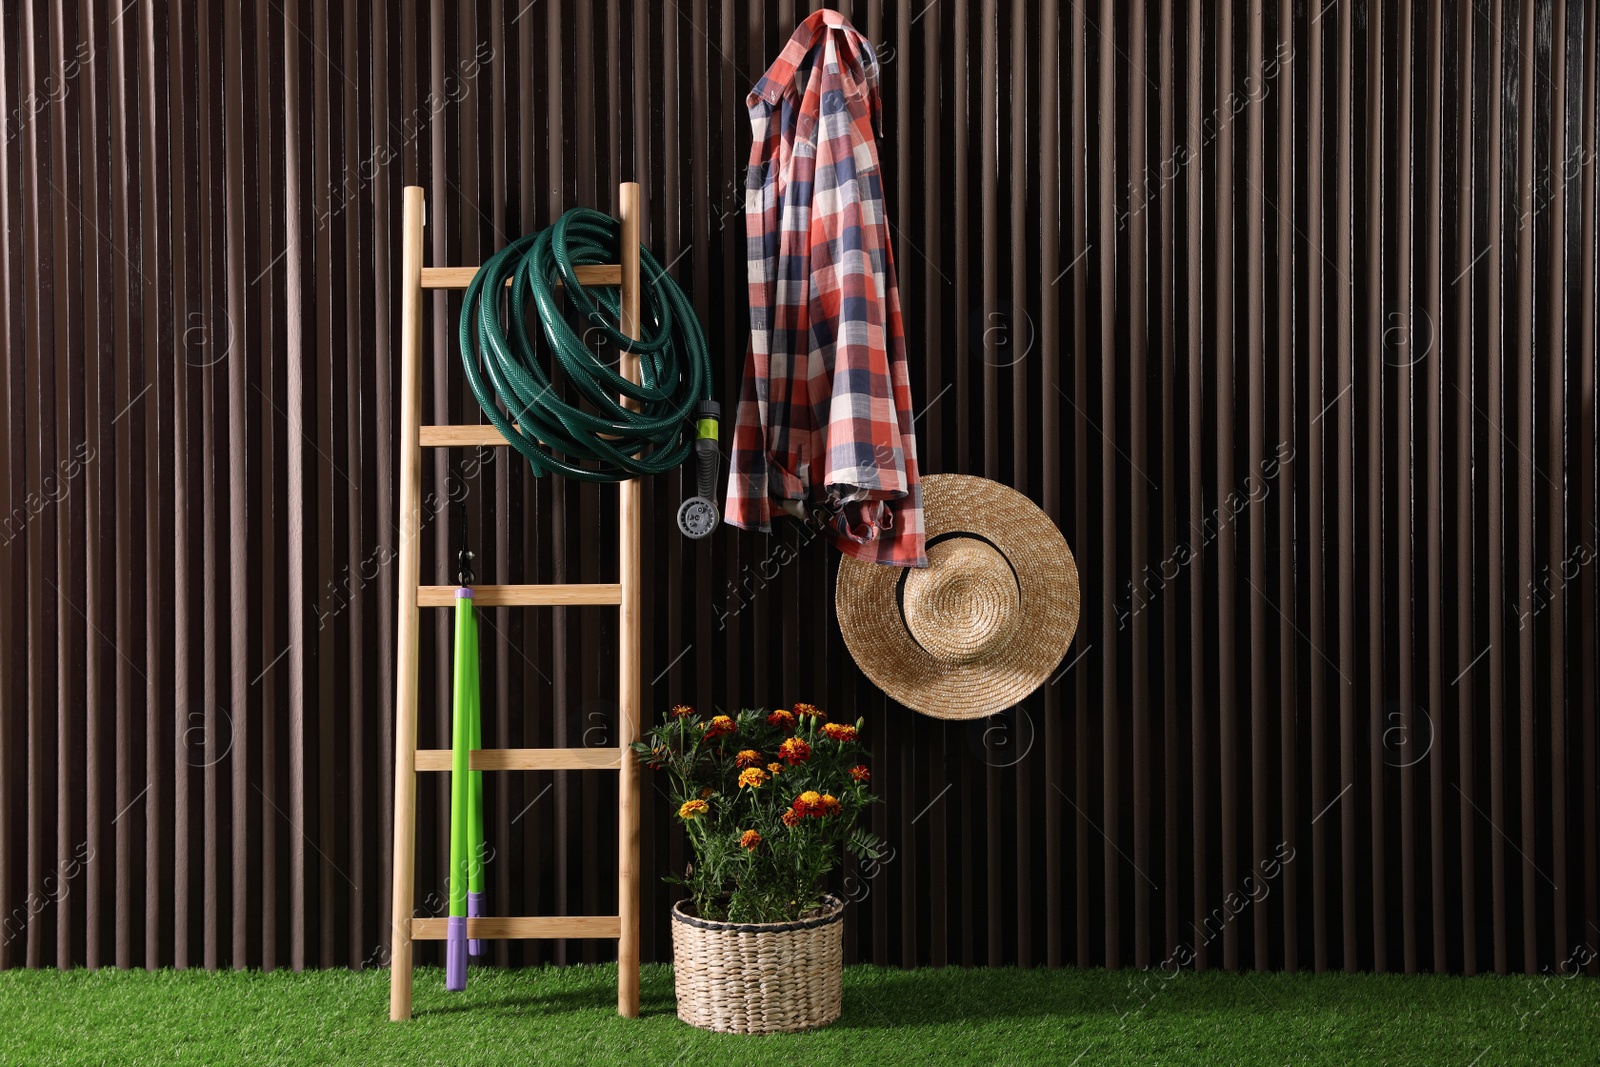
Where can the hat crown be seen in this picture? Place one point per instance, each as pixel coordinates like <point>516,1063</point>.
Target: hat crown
<point>965,604</point>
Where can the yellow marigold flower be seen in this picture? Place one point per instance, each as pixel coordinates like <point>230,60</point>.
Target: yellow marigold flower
<point>693,809</point>
<point>830,804</point>
<point>749,839</point>
<point>774,767</point>
<point>808,802</point>
<point>748,757</point>
<point>791,818</point>
<point>752,777</point>
<point>795,751</point>
<point>811,710</point>
<point>839,731</point>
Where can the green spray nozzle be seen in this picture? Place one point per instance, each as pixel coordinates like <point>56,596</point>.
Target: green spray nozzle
<point>697,517</point>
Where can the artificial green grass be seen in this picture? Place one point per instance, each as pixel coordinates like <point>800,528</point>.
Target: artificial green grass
<point>568,1016</point>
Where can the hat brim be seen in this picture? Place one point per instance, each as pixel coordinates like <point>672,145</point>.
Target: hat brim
<point>1047,577</point>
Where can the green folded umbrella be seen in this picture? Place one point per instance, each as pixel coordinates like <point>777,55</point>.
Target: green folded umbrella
<point>466,798</point>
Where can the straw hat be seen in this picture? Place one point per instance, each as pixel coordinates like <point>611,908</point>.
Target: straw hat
<point>985,623</point>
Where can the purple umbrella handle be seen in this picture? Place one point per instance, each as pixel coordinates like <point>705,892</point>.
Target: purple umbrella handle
<point>455,954</point>
<point>474,911</point>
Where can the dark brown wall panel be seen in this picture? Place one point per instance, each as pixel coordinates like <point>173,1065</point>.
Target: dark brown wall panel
<point>1284,311</point>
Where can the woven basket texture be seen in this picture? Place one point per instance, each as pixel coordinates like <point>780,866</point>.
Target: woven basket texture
<point>759,978</point>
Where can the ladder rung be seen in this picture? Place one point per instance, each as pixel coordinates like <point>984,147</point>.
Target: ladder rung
<point>461,277</point>
<point>461,436</point>
<point>470,435</point>
<point>524,759</point>
<point>497,928</point>
<point>512,596</point>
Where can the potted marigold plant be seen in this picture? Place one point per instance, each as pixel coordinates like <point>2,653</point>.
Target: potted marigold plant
<point>769,801</point>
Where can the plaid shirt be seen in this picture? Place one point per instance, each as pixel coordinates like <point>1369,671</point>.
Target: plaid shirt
<point>824,422</point>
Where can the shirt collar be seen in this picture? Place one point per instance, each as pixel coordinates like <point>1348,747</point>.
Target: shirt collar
<point>779,77</point>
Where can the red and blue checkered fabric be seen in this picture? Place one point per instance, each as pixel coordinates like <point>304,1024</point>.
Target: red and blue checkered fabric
<point>824,422</point>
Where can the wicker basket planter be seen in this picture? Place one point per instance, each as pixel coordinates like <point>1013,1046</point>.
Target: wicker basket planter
<point>759,978</point>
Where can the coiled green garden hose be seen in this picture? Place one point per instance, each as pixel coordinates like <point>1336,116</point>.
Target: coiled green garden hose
<point>604,441</point>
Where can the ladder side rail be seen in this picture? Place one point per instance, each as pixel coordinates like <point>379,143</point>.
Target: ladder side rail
<point>628,651</point>
<point>405,733</point>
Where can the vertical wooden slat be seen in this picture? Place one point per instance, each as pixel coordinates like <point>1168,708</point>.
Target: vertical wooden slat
<point>1050,224</point>
<point>297,491</point>
<point>269,281</point>
<point>72,620</point>
<point>40,333</point>
<point>1463,487</point>
<point>1138,209</point>
<point>1279,465</point>
<point>1173,769</point>
<point>237,737</point>
<point>1432,322</point>
<point>441,244</point>
<point>1227,538</point>
<point>1494,493</point>
<point>1317,527</point>
<point>348,812</point>
<point>1195,276</point>
<point>582,109</point>
<point>1368,395</point>
<point>1553,370</point>
<point>1400,505</point>
<point>1084,930</point>
<point>1521,423</point>
<point>987,103</point>
<point>1024,223</point>
<point>101,615</point>
<point>202,755</point>
<point>1342,409</point>
<point>1105,255</point>
<point>1255,334</point>
<point>930,432</point>
<point>187,454</point>
<point>961,119</point>
<point>1588,512</point>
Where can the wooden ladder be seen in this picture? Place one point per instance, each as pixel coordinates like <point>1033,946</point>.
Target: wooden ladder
<point>414,437</point>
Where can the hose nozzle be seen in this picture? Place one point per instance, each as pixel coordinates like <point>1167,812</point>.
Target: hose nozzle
<point>698,517</point>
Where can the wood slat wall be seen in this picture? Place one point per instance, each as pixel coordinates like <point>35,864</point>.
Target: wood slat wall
<point>1285,312</point>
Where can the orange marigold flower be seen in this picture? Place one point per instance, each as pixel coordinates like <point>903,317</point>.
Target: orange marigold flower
<point>791,818</point>
<point>830,804</point>
<point>811,710</point>
<point>693,809</point>
<point>839,731</point>
<point>860,773</point>
<point>808,802</point>
<point>748,757</point>
<point>681,711</point>
<point>794,751</point>
<point>780,718</point>
<point>719,725</point>
<point>749,839</point>
<point>752,777</point>
<point>774,767</point>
